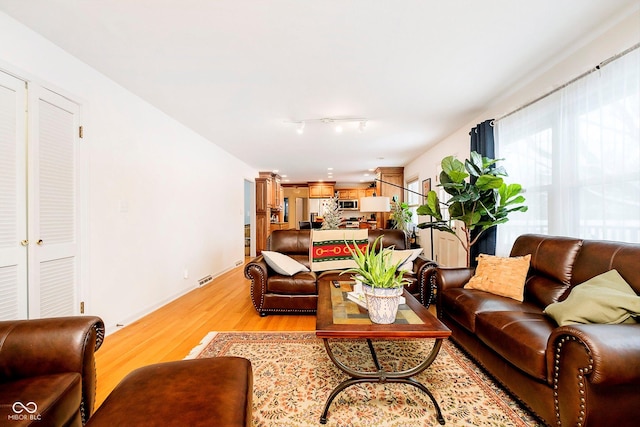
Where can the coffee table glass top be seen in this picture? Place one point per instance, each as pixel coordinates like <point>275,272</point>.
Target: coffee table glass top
<point>338,317</point>
<point>347,312</point>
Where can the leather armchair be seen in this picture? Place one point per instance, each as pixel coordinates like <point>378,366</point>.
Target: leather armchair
<point>47,370</point>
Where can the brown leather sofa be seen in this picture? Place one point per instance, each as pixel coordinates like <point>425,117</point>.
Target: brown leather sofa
<point>273,293</point>
<point>47,370</point>
<point>577,375</point>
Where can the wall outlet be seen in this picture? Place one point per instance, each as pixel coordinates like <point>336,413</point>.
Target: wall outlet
<point>186,273</point>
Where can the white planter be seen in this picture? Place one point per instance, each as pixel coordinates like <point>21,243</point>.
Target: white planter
<point>382,304</point>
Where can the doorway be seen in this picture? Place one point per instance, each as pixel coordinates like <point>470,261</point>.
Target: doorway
<point>248,228</point>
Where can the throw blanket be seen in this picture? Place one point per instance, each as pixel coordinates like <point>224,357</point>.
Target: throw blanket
<point>329,249</point>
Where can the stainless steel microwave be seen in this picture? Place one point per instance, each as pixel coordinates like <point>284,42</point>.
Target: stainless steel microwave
<point>348,205</point>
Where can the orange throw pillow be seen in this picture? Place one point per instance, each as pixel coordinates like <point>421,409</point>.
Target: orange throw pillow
<point>501,276</point>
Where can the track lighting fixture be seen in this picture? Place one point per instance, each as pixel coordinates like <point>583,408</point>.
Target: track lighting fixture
<point>337,123</point>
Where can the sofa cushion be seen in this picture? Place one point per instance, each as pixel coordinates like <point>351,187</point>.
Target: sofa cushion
<point>283,264</point>
<point>56,397</point>
<point>519,337</point>
<point>552,256</point>
<point>542,291</point>
<point>406,256</point>
<point>501,276</point>
<point>606,298</point>
<point>303,283</point>
<point>463,305</point>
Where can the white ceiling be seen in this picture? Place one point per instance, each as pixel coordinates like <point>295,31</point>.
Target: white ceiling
<point>236,70</point>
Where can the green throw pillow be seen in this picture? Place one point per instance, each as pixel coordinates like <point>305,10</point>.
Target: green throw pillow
<point>606,298</point>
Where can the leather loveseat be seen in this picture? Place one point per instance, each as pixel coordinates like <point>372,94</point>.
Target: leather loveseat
<point>274,293</point>
<point>47,370</point>
<point>572,375</point>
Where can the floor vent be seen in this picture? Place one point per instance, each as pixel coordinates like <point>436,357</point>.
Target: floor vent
<point>205,280</point>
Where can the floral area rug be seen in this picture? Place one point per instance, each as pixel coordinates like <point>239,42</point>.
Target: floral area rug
<point>293,376</point>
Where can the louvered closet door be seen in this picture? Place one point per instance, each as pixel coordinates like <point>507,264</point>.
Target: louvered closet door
<point>13,212</point>
<point>53,205</point>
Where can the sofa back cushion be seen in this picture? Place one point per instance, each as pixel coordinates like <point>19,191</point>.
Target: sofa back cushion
<point>597,257</point>
<point>552,263</point>
<point>290,242</point>
<point>392,237</point>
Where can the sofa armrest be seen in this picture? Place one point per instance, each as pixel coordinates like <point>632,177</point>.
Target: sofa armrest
<point>444,278</point>
<point>257,271</point>
<point>592,368</point>
<point>612,351</point>
<point>422,269</point>
<point>452,277</point>
<point>30,348</point>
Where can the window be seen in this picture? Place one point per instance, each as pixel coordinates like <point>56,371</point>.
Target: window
<point>576,153</point>
<point>413,200</point>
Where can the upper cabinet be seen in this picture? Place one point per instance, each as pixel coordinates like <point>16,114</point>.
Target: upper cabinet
<point>269,195</point>
<point>354,193</point>
<point>321,190</point>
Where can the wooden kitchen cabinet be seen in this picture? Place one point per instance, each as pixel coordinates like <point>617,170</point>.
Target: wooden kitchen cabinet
<point>391,175</point>
<point>269,203</point>
<point>348,193</point>
<point>321,190</point>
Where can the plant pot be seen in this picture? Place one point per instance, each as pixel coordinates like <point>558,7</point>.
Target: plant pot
<point>382,304</point>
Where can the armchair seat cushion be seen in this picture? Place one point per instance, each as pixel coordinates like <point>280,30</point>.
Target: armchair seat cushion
<point>519,337</point>
<point>57,398</point>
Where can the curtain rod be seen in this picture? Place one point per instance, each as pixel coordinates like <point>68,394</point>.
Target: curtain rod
<point>596,68</point>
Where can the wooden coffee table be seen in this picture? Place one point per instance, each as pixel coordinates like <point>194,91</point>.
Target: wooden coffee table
<point>337,317</point>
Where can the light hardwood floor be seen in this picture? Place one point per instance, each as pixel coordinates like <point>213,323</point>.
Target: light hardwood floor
<point>170,332</point>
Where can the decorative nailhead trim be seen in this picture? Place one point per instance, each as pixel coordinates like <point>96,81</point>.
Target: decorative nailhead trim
<point>263,284</point>
<point>581,381</point>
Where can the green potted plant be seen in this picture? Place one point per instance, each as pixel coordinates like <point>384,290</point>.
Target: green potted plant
<point>478,205</point>
<point>382,280</point>
<point>400,214</point>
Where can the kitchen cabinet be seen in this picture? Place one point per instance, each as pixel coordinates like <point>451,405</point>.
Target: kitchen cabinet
<point>391,175</point>
<point>321,190</point>
<point>269,202</point>
<point>348,193</point>
<point>354,193</point>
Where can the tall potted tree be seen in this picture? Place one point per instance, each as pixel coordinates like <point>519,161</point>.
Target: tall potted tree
<point>479,203</point>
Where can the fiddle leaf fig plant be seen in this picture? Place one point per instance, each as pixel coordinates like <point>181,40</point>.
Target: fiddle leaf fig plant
<point>479,203</point>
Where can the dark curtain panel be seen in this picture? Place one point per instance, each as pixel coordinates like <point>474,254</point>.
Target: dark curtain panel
<point>482,142</point>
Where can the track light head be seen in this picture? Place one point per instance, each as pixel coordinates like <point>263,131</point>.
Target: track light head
<point>300,129</point>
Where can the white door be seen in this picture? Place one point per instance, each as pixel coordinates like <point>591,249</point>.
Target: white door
<point>449,250</point>
<point>13,199</point>
<point>53,206</point>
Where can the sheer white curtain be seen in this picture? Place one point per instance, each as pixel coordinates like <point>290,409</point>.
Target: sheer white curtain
<point>576,153</point>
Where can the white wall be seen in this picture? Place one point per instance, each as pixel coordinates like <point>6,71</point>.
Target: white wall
<point>607,41</point>
<point>158,198</point>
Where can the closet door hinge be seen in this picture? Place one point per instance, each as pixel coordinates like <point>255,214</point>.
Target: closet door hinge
<point>82,307</point>
<point>80,132</point>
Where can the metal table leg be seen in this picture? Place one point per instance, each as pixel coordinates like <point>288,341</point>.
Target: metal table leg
<point>381,376</point>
